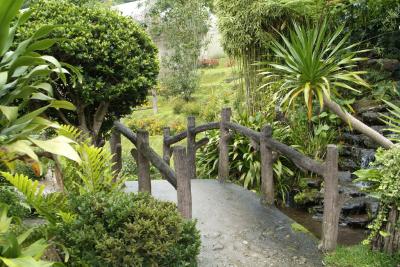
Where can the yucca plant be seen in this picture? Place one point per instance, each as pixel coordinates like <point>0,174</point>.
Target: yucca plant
<point>25,77</point>
<point>13,251</point>
<point>318,64</point>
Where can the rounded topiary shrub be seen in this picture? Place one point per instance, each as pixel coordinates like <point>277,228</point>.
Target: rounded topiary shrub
<point>117,58</point>
<point>120,229</point>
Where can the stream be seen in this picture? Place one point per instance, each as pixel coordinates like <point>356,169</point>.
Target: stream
<point>347,236</point>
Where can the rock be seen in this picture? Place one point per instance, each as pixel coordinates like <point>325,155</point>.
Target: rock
<point>365,105</point>
<point>357,220</point>
<point>218,246</point>
<point>312,182</point>
<point>344,176</point>
<point>354,205</point>
<point>390,65</point>
<point>352,139</point>
<point>371,117</point>
<point>348,164</point>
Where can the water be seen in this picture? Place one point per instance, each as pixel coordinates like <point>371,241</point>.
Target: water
<point>367,156</point>
<point>347,236</point>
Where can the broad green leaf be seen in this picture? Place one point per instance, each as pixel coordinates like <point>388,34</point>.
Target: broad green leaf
<point>24,262</point>
<point>59,146</point>
<point>22,147</point>
<point>11,113</point>
<point>41,96</point>
<point>61,104</point>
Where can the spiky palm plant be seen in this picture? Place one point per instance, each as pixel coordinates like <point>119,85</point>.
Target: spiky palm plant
<point>318,64</point>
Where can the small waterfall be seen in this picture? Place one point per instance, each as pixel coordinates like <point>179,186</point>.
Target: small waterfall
<point>367,156</point>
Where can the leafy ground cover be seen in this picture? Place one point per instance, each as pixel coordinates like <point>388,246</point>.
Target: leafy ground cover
<point>360,256</point>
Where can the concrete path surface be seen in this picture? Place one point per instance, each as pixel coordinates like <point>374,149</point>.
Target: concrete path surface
<point>237,230</point>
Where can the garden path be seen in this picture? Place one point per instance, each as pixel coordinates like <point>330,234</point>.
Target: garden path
<point>237,230</point>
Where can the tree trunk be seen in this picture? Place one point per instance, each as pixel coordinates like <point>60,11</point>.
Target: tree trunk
<point>116,151</point>
<point>391,243</point>
<point>357,124</point>
<point>155,101</point>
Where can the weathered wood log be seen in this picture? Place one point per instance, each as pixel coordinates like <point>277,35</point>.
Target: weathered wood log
<point>244,130</point>
<point>199,129</point>
<point>202,142</point>
<point>206,127</point>
<point>267,171</point>
<point>125,131</point>
<point>223,167</point>
<point>116,151</point>
<point>167,152</point>
<point>143,163</point>
<point>296,157</point>
<point>299,159</point>
<point>150,154</point>
<point>191,147</point>
<point>330,223</point>
<point>389,243</point>
<point>184,182</point>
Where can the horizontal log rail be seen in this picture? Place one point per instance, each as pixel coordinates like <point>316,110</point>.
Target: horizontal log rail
<point>202,128</point>
<point>298,159</point>
<point>149,153</point>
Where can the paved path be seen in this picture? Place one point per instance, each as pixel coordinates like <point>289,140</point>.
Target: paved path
<point>238,231</point>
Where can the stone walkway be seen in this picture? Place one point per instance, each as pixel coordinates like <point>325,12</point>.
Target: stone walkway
<point>237,230</point>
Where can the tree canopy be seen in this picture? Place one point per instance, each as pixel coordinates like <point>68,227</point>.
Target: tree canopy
<point>117,58</point>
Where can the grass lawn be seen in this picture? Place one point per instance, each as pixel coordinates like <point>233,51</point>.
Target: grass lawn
<point>214,82</point>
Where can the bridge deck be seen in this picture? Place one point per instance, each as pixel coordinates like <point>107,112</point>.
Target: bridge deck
<point>237,230</point>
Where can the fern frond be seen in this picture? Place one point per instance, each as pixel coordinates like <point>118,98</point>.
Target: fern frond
<point>33,193</point>
<point>74,133</point>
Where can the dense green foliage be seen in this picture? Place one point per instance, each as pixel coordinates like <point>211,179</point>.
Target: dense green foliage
<point>14,250</point>
<point>15,202</point>
<point>359,256</point>
<point>374,23</point>
<point>315,63</point>
<point>26,91</point>
<point>247,28</point>
<point>182,26</point>
<point>121,229</point>
<point>384,183</point>
<point>117,58</point>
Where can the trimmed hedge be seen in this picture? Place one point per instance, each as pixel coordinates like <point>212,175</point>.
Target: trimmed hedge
<point>120,229</point>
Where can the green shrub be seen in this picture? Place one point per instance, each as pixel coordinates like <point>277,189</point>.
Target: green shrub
<point>360,256</point>
<point>178,105</point>
<point>15,202</point>
<point>155,125</point>
<point>118,60</point>
<point>121,229</point>
<point>192,109</point>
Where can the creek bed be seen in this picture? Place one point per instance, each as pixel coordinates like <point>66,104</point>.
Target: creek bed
<point>347,235</point>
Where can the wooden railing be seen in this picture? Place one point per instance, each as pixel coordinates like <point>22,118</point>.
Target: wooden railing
<point>185,165</point>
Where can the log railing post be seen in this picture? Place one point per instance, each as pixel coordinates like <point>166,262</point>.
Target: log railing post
<point>191,147</point>
<point>267,172</point>
<point>223,166</point>
<point>183,182</point>
<point>166,148</point>
<point>143,163</point>
<point>330,221</point>
<point>116,151</point>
